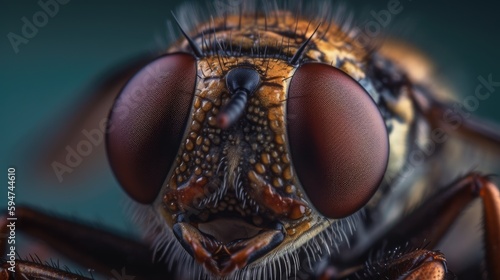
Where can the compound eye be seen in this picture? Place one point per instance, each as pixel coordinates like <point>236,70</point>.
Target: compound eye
<point>338,139</point>
<point>147,123</point>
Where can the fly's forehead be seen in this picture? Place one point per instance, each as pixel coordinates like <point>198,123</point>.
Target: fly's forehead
<point>245,168</point>
<point>280,34</point>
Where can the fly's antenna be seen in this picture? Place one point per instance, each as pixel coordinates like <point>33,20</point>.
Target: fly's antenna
<point>300,51</point>
<point>197,52</point>
<point>241,83</point>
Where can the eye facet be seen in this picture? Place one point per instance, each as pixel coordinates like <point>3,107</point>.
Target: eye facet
<point>338,139</point>
<point>147,123</point>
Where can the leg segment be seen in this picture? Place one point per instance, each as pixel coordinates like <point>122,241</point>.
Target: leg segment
<point>431,221</point>
<point>92,247</point>
<point>31,270</point>
<point>491,201</point>
<point>418,264</point>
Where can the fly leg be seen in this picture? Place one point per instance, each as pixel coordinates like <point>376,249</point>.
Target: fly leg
<point>432,220</point>
<point>34,270</point>
<point>418,264</point>
<point>92,247</point>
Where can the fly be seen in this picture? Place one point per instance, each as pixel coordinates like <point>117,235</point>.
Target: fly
<point>265,143</point>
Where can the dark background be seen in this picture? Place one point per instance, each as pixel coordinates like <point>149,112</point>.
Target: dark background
<point>44,81</point>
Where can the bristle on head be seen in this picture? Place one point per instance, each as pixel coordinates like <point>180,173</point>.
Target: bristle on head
<point>197,52</point>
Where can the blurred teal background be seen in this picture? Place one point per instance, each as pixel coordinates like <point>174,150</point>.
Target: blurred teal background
<point>40,85</point>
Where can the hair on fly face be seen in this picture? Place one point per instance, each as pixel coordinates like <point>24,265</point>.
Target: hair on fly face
<point>191,18</point>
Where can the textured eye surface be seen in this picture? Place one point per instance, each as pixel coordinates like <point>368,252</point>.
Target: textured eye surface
<point>338,139</point>
<point>147,123</point>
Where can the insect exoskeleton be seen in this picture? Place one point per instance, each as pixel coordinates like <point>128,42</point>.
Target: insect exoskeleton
<point>257,138</point>
<point>263,141</point>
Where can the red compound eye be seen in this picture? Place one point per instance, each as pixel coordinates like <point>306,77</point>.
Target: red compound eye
<point>147,123</point>
<point>338,139</point>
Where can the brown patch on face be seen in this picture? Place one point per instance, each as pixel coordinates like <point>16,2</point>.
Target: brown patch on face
<point>265,194</point>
